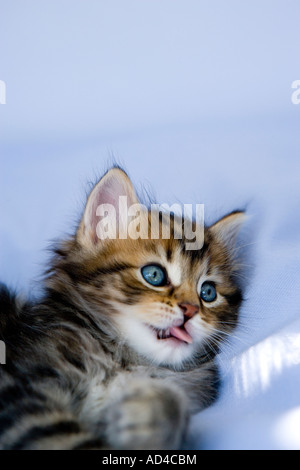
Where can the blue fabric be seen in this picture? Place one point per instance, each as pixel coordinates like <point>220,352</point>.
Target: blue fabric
<point>195,101</point>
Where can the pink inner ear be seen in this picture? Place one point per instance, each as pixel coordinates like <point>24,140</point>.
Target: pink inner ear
<point>109,193</point>
<point>106,192</point>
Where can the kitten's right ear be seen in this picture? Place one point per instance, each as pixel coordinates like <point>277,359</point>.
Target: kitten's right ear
<point>226,230</point>
<point>105,197</point>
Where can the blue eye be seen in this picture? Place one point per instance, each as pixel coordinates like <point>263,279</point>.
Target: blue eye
<point>155,275</point>
<point>208,292</point>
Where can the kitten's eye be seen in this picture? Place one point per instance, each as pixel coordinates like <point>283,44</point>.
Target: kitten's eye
<point>155,275</point>
<point>208,292</point>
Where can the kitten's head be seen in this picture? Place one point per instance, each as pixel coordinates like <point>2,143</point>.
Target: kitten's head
<point>167,303</point>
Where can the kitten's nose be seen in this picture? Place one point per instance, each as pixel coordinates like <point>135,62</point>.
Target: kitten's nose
<point>189,310</point>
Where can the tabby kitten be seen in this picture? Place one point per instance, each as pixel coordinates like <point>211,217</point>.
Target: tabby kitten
<point>119,350</point>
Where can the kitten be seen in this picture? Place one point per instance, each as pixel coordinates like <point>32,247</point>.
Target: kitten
<point>120,349</point>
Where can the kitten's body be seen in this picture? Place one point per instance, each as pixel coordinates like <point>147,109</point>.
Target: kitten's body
<point>93,364</point>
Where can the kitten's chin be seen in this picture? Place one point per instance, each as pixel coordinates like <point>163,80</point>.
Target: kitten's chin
<point>160,349</point>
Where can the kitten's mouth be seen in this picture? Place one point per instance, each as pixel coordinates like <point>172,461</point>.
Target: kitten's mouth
<point>177,332</point>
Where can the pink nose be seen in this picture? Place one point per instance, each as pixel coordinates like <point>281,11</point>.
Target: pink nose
<point>189,310</point>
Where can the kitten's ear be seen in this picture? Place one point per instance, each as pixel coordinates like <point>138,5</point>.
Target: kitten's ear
<point>226,230</point>
<point>105,198</point>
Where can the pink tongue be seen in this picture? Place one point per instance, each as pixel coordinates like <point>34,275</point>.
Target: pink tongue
<point>181,334</point>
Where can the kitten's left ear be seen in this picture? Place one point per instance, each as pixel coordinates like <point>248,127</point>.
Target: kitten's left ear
<point>226,230</point>
<point>106,195</point>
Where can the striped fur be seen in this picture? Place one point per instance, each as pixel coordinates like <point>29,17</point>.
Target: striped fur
<point>84,368</point>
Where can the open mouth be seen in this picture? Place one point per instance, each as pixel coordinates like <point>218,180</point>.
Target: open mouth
<point>177,332</point>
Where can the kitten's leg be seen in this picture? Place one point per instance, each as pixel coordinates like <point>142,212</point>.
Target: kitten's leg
<point>200,386</point>
<point>145,414</point>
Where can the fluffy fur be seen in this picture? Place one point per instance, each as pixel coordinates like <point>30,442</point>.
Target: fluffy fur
<point>92,365</point>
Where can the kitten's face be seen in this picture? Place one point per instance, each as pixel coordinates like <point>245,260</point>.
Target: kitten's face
<point>165,302</point>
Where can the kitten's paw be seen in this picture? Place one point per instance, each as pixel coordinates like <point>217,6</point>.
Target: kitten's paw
<point>147,417</point>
